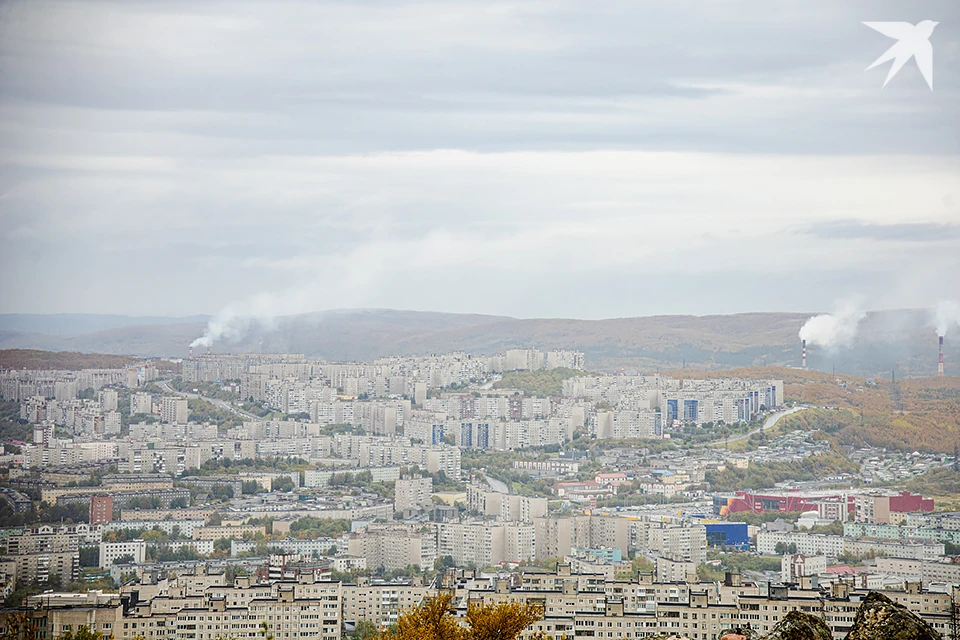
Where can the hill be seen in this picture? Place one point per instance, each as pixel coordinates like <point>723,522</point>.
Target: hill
<point>68,360</point>
<point>917,414</point>
<point>889,339</point>
<point>72,324</point>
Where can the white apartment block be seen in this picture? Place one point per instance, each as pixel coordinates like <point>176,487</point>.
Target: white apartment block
<point>174,410</point>
<point>110,551</point>
<point>141,403</point>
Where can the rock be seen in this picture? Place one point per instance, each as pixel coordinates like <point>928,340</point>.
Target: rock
<point>800,626</point>
<point>738,633</point>
<point>880,618</point>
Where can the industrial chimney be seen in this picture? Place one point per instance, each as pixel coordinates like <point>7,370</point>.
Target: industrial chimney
<point>940,361</point>
<point>803,354</point>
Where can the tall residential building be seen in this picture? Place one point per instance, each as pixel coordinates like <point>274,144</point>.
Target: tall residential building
<point>141,403</point>
<point>44,553</point>
<point>174,410</point>
<point>413,493</point>
<point>394,548</point>
<point>108,399</point>
<point>101,509</point>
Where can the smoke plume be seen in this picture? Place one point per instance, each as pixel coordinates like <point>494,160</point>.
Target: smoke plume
<point>234,321</point>
<point>946,315</point>
<point>837,329</point>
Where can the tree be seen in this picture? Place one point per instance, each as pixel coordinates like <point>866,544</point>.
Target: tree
<point>434,620</point>
<point>83,633</point>
<point>363,631</point>
<point>89,556</point>
<point>20,626</point>
<point>283,483</point>
<point>222,492</point>
<point>124,559</point>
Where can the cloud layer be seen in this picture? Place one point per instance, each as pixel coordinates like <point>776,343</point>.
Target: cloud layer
<point>530,159</point>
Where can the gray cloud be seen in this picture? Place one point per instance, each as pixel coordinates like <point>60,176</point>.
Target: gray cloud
<point>905,232</point>
<point>535,158</point>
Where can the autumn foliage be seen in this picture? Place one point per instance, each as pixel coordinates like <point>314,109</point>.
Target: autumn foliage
<point>434,620</point>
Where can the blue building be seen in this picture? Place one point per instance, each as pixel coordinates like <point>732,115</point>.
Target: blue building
<point>673,410</point>
<point>730,534</point>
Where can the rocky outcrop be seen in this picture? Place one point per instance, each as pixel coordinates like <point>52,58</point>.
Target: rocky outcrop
<point>738,633</point>
<point>800,626</point>
<point>880,618</point>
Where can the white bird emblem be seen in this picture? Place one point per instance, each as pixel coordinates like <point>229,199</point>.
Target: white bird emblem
<point>912,42</point>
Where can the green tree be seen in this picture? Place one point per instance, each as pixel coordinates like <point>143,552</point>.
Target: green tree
<point>364,630</point>
<point>284,483</point>
<point>82,633</point>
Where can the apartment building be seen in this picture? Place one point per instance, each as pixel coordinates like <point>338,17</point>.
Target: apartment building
<point>394,548</point>
<point>43,554</point>
<point>925,570</point>
<point>381,602</point>
<point>141,403</point>
<point>112,551</point>
<point>829,545</point>
<point>57,613</point>
<point>485,544</point>
<point>578,606</point>
<point>174,410</point>
<point>506,507</point>
<point>101,509</point>
<point>883,509</point>
<point>413,493</point>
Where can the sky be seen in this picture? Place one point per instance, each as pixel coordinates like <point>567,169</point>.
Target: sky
<point>532,159</point>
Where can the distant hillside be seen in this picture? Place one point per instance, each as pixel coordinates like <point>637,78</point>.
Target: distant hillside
<point>68,360</point>
<point>891,339</point>
<point>917,414</point>
<point>73,324</point>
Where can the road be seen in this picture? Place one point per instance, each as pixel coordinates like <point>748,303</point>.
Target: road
<point>220,404</point>
<point>497,485</point>
<point>486,386</point>
<point>771,420</point>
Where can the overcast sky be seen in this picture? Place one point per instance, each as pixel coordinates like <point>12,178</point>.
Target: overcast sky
<point>557,158</point>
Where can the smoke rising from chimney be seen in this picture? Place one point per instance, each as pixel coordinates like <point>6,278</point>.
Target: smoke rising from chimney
<point>940,359</point>
<point>837,329</point>
<point>946,315</point>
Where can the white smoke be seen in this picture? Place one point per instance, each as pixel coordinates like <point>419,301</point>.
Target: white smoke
<point>234,321</point>
<point>946,315</point>
<point>837,329</point>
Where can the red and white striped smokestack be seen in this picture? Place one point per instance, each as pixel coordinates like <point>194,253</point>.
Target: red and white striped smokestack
<point>803,354</point>
<point>191,352</point>
<point>940,361</point>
